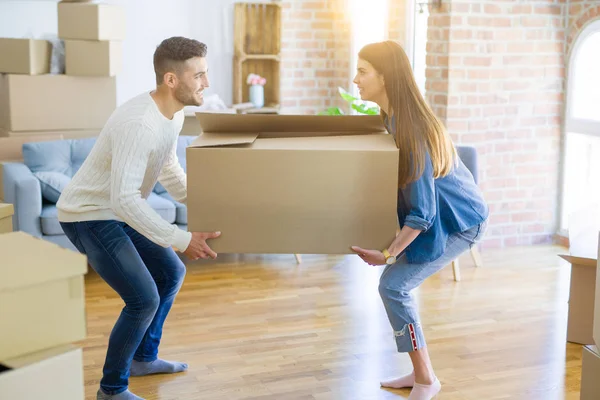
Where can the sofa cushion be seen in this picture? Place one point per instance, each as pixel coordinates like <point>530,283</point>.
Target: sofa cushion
<point>52,162</point>
<point>180,208</point>
<point>49,219</point>
<point>48,156</point>
<point>52,184</point>
<point>65,156</point>
<point>51,226</point>
<point>164,207</point>
<point>182,143</point>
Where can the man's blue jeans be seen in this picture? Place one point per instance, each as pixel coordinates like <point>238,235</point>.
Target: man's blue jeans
<point>145,275</point>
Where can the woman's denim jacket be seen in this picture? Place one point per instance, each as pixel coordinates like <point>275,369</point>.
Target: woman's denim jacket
<point>439,208</point>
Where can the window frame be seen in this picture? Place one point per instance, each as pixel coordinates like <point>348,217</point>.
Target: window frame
<point>571,124</point>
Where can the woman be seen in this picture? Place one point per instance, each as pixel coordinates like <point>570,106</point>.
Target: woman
<point>441,211</point>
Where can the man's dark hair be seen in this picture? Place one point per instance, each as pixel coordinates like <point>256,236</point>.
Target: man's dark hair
<point>173,52</point>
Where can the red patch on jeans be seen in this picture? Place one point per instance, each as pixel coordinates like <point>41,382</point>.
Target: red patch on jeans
<point>413,337</point>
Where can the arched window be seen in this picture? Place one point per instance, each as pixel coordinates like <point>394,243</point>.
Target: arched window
<point>581,174</point>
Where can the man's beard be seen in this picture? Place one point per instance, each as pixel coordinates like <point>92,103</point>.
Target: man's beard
<point>186,97</point>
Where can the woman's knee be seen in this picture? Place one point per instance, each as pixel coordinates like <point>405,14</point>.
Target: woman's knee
<point>391,291</point>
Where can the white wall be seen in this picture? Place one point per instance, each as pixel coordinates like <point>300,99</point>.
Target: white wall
<point>148,23</point>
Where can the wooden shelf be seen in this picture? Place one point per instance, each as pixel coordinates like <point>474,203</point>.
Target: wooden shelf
<point>257,28</point>
<point>257,47</point>
<point>273,57</point>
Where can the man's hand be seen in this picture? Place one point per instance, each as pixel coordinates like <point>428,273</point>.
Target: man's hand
<point>198,247</point>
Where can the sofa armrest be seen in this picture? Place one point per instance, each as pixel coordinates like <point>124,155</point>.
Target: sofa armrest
<point>22,189</point>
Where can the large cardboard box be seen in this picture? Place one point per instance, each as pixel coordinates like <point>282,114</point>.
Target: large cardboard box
<point>91,21</point>
<point>93,58</point>
<point>42,301</point>
<point>6,214</point>
<point>25,56</point>
<point>292,183</point>
<point>55,102</point>
<point>590,373</point>
<point>54,374</point>
<point>596,330</point>
<point>1,181</point>
<point>581,299</point>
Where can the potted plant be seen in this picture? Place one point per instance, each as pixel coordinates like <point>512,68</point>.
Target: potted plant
<point>355,103</point>
<point>257,89</point>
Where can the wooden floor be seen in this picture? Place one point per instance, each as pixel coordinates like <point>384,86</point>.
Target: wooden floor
<point>263,327</point>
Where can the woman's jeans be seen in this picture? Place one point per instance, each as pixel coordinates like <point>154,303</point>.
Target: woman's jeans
<point>145,275</point>
<point>399,279</point>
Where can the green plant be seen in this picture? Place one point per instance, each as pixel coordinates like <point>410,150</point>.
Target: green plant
<point>355,104</point>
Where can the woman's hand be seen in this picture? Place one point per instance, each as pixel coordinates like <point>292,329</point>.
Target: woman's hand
<point>371,257</point>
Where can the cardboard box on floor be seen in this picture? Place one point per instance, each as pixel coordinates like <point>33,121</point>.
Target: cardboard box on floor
<point>292,183</point>
<point>30,103</point>
<point>596,329</point>
<point>54,374</point>
<point>582,292</point>
<point>6,214</point>
<point>93,58</point>
<point>91,21</point>
<point>590,373</point>
<point>25,56</point>
<point>42,301</point>
<point>583,257</point>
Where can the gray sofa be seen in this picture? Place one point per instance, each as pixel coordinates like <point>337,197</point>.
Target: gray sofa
<point>34,185</point>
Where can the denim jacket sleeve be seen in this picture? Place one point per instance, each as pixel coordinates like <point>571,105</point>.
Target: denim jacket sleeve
<point>421,194</point>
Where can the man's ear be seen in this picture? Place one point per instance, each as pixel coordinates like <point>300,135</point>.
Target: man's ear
<point>170,79</point>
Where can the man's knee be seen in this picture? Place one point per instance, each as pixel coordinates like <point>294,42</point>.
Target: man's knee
<point>145,303</point>
<point>175,277</point>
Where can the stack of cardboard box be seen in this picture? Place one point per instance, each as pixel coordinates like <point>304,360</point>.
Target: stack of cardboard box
<point>35,103</point>
<point>6,213</point>
<point>42,309</point>
<point>590,369</point>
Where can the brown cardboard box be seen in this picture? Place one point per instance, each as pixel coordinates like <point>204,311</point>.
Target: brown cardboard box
<point>581,299</point>
<point>293,183</point>
<point>42,301</point>
<point>91,21</point>
<point>590,373</point>
<point>1,182</point>
<point>54,374</point>
<point>596,329</point>
<point>6,213</point>
<point>37,136</point>
<point>11,148</point>
<point>30,103</point>
<point>25,56</point>
<point>93,58</point>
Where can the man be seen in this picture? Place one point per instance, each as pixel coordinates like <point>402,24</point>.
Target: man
<point>104,213</point>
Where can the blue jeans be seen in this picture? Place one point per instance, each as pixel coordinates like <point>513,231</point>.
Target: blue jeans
<point>399,279</point>
<point>145,275</point>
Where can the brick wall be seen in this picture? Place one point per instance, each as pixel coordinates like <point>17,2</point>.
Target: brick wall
<point>316,40</point>
<point>495,76</point>
<point>580,13</point>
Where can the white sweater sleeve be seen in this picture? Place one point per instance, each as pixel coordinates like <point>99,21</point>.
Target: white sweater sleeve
<point>130,157</point>
<point>173,178</point>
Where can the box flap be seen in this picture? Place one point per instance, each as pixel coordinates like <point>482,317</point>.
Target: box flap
<point>223,139</point>
<point>275,125</point>
<point>27,260</point>
<point>376,142</point>
<point>588,262</point>
<point>6,210</point>
<point>592,349</point>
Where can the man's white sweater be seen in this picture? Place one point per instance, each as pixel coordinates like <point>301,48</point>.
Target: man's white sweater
<point>136,148</point>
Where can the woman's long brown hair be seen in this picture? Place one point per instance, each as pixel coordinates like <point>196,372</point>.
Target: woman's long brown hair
<point>418,130</point>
